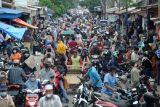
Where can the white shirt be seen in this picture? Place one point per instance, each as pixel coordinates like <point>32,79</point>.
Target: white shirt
<point>53,102</point>
<point>134,56</point>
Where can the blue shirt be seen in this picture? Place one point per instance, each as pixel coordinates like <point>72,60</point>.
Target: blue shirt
<point>33,85</point>
<point>94,77</point>
<point>111,81</point>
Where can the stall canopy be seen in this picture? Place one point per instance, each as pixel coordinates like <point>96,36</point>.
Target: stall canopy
<point>23,23</point>
<point>9,13</point>
<point>68,32</point>
<point>12,31</point>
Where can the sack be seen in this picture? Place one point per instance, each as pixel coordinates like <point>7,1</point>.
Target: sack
<point>65,82</point>
<point>30,62</point>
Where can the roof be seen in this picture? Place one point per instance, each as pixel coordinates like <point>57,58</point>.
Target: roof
<point>9,13</point>
<point>23,23</point>
<point>12,31</point>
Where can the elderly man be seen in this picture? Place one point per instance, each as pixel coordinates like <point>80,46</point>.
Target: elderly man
<point>49,100</point>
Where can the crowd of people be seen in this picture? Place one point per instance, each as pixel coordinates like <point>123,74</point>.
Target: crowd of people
<point>136,55</point>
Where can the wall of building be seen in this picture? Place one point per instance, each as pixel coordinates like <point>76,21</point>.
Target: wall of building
<point>0,3</point>
<point>21,3</point>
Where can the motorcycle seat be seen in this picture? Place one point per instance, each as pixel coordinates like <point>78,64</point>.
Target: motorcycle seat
<point>97,94</point>
<point>14,85</point>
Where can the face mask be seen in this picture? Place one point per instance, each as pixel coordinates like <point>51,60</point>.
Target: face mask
<point>49,95</point>
<point>32,79</point>
<point>3,94</point>
<point>14,51</point>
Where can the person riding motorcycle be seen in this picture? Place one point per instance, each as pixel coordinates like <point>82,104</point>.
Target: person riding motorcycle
<point>95,49</point>
<point>5,99</point>
<point>15,55</point>
<point>46,72</point>
<point>94,77</point>
<point>49,100</point>
<point>110,82</point>
<point>32,83</point>
<point>61,48</point>
<point>16,74</point>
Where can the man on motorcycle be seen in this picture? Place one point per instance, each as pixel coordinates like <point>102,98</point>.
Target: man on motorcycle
<point>32,83</point>
<point>16,74</point>
<point>110,82</point>
<point>49,100</point>
<point>5,99</point>
<point>47,72</point>
<point>95,78</point>
<point>15,55</point>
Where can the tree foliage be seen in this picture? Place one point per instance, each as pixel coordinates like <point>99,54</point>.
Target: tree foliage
<point>59,6</point>
<point>90,3</point>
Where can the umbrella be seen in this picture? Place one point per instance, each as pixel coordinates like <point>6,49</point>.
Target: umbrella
<point>68,32</point>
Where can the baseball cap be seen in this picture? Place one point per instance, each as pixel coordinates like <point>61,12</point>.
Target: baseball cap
<point>49,87</point>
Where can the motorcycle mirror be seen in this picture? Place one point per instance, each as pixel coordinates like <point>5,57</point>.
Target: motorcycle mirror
<point>29,91</point>
<point>135,102</point>
<point>134,89</point>
<point>36,91</point>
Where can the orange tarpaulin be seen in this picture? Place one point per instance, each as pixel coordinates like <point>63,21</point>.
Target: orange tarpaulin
<point>19,21</point>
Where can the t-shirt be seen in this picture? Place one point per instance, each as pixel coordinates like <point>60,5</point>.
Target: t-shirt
<point>111,81</point>
<point>94,76</point>
<point>45,75</point>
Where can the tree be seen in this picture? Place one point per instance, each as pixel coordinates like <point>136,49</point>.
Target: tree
<point>90,3</point>
<point>59,6</point>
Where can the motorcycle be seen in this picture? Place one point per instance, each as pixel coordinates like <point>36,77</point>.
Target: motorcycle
<point>32,97</point>
<point>82,98</point>
<point>15,91</point>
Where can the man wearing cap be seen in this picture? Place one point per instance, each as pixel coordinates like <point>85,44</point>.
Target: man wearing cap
<point>49,100</point>
<point>5,99</point>
<point>16,74</point>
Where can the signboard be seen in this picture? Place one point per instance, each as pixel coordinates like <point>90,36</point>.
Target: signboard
<point>22,3</point>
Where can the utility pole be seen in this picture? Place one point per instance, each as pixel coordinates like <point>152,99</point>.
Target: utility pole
<point>126,3</point>
<point>158,8</point>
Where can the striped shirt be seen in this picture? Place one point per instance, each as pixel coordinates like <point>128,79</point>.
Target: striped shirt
<point>16,75</point>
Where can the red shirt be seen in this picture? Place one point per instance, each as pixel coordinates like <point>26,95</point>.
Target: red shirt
<point>72,45</point>
<point>57,79</point>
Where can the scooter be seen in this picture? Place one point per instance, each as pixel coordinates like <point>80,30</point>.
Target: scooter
<point>32,97</point>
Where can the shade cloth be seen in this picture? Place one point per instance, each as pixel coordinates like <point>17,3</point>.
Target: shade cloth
<point>68,32</point>
<point>12,31</point>
<point>9,13</point>
<point>19,21</point>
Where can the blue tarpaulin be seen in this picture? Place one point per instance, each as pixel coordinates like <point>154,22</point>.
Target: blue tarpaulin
<point>9,13</point>
<point>12,31</point>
